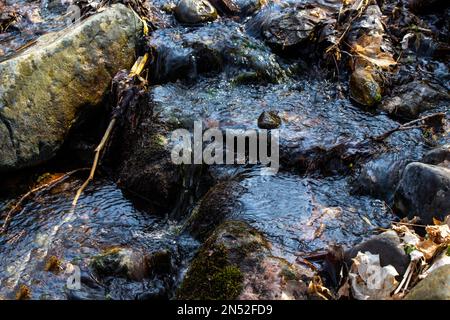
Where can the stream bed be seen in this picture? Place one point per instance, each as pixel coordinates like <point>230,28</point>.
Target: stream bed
<point>124,240</point>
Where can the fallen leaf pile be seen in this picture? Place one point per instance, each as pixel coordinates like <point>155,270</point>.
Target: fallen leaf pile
<point>368,280</point>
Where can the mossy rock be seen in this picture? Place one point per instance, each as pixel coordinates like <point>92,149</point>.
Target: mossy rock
<point>436,286</point>
<point>44,89</point>
<point>364,89</point>
<point>236,262</point>
<point>217,270</point>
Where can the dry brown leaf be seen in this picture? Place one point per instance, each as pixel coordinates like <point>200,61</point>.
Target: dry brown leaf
<point>428,248</point>
<point>439,234</point>
<point>317,288</point>
<point>368,50</point>
<point>436,222</point>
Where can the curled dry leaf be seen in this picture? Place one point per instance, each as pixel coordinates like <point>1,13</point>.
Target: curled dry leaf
<point>439,234</point>
<point>316,288</point>
<point>368,53</point>
<point>370,281</point>
<point>428,248</point>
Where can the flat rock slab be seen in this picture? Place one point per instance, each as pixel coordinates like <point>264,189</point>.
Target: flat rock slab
<point>44,89</point>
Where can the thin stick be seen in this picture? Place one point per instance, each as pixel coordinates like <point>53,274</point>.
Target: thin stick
<point>98,150</point>
<point>136,70</point>
<point>405,276</point>
<point>409,279</point>
<point>408,126</point>
<point>30,193</point>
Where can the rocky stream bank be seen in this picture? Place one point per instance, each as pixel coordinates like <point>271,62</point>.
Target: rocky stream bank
<point>358,91</point>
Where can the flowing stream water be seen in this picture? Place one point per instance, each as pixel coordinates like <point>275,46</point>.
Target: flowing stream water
<point>302,209</point>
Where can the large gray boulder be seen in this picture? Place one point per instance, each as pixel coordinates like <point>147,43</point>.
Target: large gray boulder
<point>424,191</point>
<point>436,286</point>
<point>44,89</point>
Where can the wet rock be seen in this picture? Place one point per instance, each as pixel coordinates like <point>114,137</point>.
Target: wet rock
<point>438,156</point>
<point>364,88</point>
<point>311,139</point>
<point>238,7</point>
<point>413,98</point>
<point>144,167</point>
<point>120,262</point>
<point>218,204</point>
<point>195,11</point>
<point>37,104</point>
<point>387,246</point>
<point>269,120</point>
<point>290,26</point>
<point>427,199</point>
<point>435,286</point>
<point>380,177</point>
<point>236,263</point>
<point>211,48</point>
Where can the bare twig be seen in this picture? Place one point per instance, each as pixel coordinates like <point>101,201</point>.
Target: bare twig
<point>98,151</point>
<point>420,123</point>
<point>30,193</point>
<point>136,70</point>
<point>405,277</point>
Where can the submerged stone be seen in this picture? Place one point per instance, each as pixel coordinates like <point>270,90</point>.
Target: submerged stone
<point>182,54</point>
<point>291,26</point>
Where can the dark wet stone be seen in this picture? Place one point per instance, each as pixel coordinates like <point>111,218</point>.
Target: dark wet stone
<point>424,191</point>
<point>120,262</point>
<point>413,98</point>
<point>290,26</point>
<point>436,286</point>
<point>438,156</point>
<point>236,262</point>
<point>219,203</point>
<point>380,177</point>
<point>238,7</point>
<point>144,167</point>
<point>211,48</point>
<point>269,120</point>
<point>195,11</point>
<point>387,246</point>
